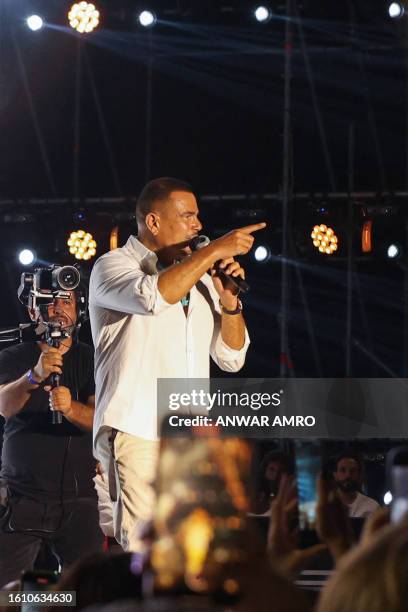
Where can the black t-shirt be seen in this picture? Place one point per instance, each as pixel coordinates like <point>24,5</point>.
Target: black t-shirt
<point>41,460</point>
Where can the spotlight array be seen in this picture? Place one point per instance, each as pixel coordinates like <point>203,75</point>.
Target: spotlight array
<point>34,22</point>
<point>83,17</point>
<point>324,239</point>
<point>82,245</point>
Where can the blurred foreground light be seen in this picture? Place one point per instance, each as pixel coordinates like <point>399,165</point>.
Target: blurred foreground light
<point>83,17</point>
<point>393,251</point>
<point>324,239</point>
<point>34,22</point>
<point>81,245</point>
<point>396,10</point>
<point>147,19</point>
<point>387,498</point>
<point>262,14</point>
<point>262,253</point>
<point>26,257</point>
<point>197,533</point>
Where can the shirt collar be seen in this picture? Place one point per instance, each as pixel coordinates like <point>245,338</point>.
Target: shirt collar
<point>142,254</point>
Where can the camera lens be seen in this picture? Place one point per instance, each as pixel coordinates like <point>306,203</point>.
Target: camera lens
<point>67,277</point>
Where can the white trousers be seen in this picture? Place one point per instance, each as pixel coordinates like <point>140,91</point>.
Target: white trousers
<point>130,464</point>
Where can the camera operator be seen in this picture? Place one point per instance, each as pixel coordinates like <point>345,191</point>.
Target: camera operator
<point>46,488</point>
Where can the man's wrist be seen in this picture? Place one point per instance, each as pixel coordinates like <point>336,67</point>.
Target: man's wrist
<point>231,308</point>
<point>68,412</point>
<point>32,377</point>
<point>230,304</point>
<point>37,375</point>
<point>213,250</point>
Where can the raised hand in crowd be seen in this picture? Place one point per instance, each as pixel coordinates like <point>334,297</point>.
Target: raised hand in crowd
<point>283,536</point>
<point>333,524</point>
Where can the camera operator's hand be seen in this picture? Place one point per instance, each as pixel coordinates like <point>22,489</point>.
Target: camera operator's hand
<point>60,399</point>
<point>50,361</point>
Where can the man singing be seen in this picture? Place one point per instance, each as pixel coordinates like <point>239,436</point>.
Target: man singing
<point>156,313</point>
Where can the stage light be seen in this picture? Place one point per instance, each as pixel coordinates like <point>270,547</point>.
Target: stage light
<point>34,22</point>
<point>393,251</point>
<point>366,236</point>
<point>114,238</point>
<point>83,17</point>
<point>324,239</point>
<point>396,10</point>
<point>262,14</point>
<point>26,257</point>
<point>387,498</point>
<point>79,215</point>
<point>262,253</point>
<point>147,19</point>
<point>82,245</point>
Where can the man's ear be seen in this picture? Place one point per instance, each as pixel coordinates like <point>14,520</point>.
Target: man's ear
<point>153,223</point>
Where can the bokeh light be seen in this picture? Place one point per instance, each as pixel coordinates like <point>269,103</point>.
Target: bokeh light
<point>83,17</point>
<point>324,239</point>
<point>81,245</point>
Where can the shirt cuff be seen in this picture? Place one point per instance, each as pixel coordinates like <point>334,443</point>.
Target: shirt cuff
<point>226,353</point>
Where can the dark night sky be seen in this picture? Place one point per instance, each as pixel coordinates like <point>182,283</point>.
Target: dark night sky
<point>216,117</point>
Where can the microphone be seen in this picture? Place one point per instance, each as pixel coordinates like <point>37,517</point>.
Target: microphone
<point>202,241</point>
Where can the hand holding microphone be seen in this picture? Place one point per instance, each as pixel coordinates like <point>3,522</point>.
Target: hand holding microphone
<point>236,242</point>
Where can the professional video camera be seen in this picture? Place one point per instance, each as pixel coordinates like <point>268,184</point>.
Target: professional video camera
<point>40,288</point>
<point>37,291</point>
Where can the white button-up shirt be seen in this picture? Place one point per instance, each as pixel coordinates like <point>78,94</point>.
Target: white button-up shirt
<point>139,337</point>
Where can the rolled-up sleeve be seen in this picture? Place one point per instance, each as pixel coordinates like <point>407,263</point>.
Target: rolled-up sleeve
<point>227,358</point>
<point>116,285</point>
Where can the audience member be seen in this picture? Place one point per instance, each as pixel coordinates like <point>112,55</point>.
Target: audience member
<point>349,480</point>
<point>273,465</point>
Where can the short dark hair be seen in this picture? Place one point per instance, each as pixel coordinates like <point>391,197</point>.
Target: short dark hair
<point>158,190</point>
<point>350,455</point>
